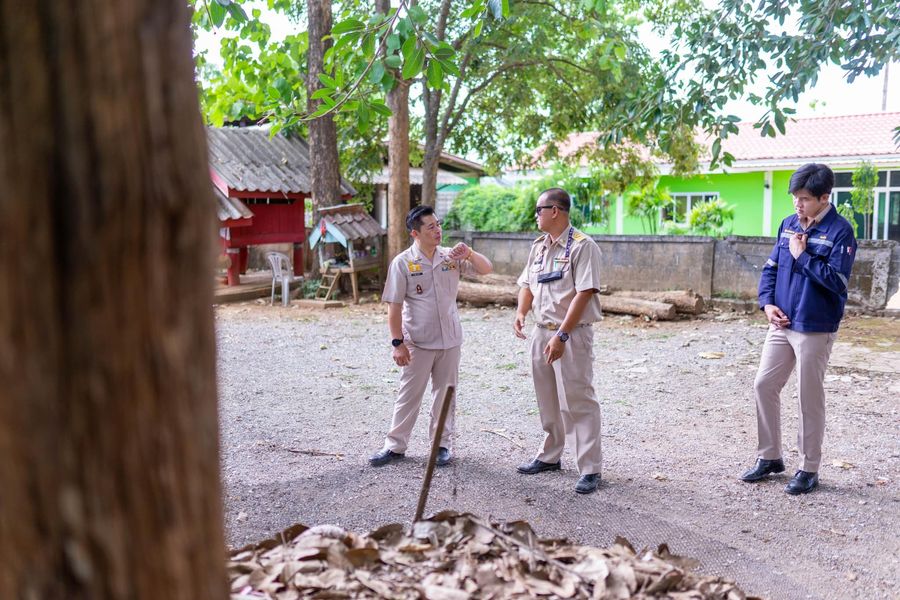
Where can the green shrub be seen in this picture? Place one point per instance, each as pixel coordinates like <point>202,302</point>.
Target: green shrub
<point>309,287</point>
<point>485,208</point>
<point>712,218</point>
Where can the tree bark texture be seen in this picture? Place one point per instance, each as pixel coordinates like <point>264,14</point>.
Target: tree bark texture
<point>398,163</point>
<point>323,149</point>
<point>109,476</point>
<point>433,147</point>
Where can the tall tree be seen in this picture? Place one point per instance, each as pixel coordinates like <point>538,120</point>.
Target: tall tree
<point>398,155</point>
<point>324,160</point>
<point>108,422</point>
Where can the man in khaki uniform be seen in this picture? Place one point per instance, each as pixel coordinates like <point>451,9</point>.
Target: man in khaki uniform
<point>420,290</point>
<point>560,283</point>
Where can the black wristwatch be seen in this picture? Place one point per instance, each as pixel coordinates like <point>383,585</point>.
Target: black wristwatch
<point>563,336</point>
<point>396,342</point>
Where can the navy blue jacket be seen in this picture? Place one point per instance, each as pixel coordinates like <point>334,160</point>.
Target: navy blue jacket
<point>812,289</point>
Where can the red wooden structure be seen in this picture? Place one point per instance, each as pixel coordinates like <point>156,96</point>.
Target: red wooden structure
<point>262,186</point>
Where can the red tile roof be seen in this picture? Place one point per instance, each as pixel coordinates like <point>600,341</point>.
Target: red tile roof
<point>818,137</point>
<point>851,135</point>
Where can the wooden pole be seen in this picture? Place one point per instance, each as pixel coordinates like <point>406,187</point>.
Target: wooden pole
<point>435,446</point>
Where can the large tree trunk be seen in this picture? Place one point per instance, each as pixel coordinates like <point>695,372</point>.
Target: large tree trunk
<point>109,478</point>
<point>324,160</point>
<point>398,163</point>
<point>433,149</point>
<point>398,159</point>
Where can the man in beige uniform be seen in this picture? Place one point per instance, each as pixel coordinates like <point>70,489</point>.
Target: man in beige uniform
<point>421,289</point>
<point>560,283</point>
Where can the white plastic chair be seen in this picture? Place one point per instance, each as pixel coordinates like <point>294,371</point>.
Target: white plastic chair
<point>283,274</point>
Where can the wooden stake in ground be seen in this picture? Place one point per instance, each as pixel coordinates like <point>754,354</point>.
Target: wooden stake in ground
<point>435,446</point>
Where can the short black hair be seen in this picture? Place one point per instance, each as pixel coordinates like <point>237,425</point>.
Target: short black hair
<point>558,196</point>
<point>815,178</point>
<point>414,217</point>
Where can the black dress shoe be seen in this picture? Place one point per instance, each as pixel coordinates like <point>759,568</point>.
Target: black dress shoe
<point>587,483</point>
<point>762,469</point>
<point>443,457</point>
<point>803,482</point>
<point>538,466</point>
<point>384,457</point>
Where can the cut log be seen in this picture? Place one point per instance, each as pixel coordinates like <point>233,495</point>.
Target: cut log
<point>685,301</point>
<point>661,311</point>
<point>483,294</point>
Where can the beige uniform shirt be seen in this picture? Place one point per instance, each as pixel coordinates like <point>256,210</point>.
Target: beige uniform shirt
<point>581,272</point>
<point>427,290</point>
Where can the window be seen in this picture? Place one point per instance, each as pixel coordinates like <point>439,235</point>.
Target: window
<point>683,203</point>
<point>885,204</point>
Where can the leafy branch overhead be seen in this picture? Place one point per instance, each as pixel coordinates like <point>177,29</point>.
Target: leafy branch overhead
<point>377,50</point>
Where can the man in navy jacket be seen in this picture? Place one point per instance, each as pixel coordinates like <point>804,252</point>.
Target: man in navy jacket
<point>802,290</point>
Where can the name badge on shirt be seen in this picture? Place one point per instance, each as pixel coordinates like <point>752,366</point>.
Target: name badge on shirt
<point>560,264</point>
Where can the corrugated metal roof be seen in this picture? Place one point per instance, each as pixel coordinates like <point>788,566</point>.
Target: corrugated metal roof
<point>416,177</point>
<point>247,160</point>
<point>353,221</point>
<point>230,208</point>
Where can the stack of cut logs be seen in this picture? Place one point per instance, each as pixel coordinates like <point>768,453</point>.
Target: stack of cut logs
<point>662,306</point>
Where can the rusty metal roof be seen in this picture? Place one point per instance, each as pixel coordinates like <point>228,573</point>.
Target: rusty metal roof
<point>352,220</point>
<point>248,161</point>
<point>230,208</point>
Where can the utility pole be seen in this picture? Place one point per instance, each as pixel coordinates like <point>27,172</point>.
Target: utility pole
<point>884,91</point>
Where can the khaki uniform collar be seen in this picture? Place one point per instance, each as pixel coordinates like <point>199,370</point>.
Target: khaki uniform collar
<point>561,240</point>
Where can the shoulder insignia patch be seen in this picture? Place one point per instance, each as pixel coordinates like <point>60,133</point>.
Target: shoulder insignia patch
<point>540,239</point>
<point>578,236</point>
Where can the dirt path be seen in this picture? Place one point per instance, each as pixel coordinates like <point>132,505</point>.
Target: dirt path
<point>678,428</point>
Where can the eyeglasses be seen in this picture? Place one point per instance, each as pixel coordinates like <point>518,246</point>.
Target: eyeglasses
<point>538,209</point>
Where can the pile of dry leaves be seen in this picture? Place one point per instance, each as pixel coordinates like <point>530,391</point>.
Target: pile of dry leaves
<point>456,556</point>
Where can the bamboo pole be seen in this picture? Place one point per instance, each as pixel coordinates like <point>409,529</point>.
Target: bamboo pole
<point>435,445</point>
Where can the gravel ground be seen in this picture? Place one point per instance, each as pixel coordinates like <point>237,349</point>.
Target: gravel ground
<point>678,429</point>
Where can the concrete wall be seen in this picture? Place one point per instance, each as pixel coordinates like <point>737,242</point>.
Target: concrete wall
<point>711,267</point>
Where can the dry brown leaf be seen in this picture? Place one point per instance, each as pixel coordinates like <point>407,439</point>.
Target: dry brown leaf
<point>712,355</point>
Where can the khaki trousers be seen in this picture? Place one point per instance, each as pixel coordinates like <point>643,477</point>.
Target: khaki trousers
<point>783,350</point>
<point>566,400</point>
<point>442,367</point>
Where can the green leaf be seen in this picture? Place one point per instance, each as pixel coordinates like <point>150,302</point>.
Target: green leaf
<point>444,52</point>
<point>504,4</point>
<point>435,74</point>
<point>413,66</point>
<point>217,12</point>
<point>417,15</point>
<point>237,13</point>
<point>362,117</point>
<point>380,108</point>
<point>779,121</point>
<point>322,93</point>
<point>328,81</point>
<point>393,41</point>
<point>449,67</point>
<point>377,72</point>
<point>478,26</point>
<point>393,61</point>
<point>347,26</point>
<point>409,47</point>
<point>619,51</point>
<point>716,149</point>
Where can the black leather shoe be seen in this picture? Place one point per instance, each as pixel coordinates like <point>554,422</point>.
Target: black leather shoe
<point>762,469</point>
<point>803,482</point>
<point>384,457</point>
<point>538,466</point>
<point>587,483</point>
<point>443,457</point>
